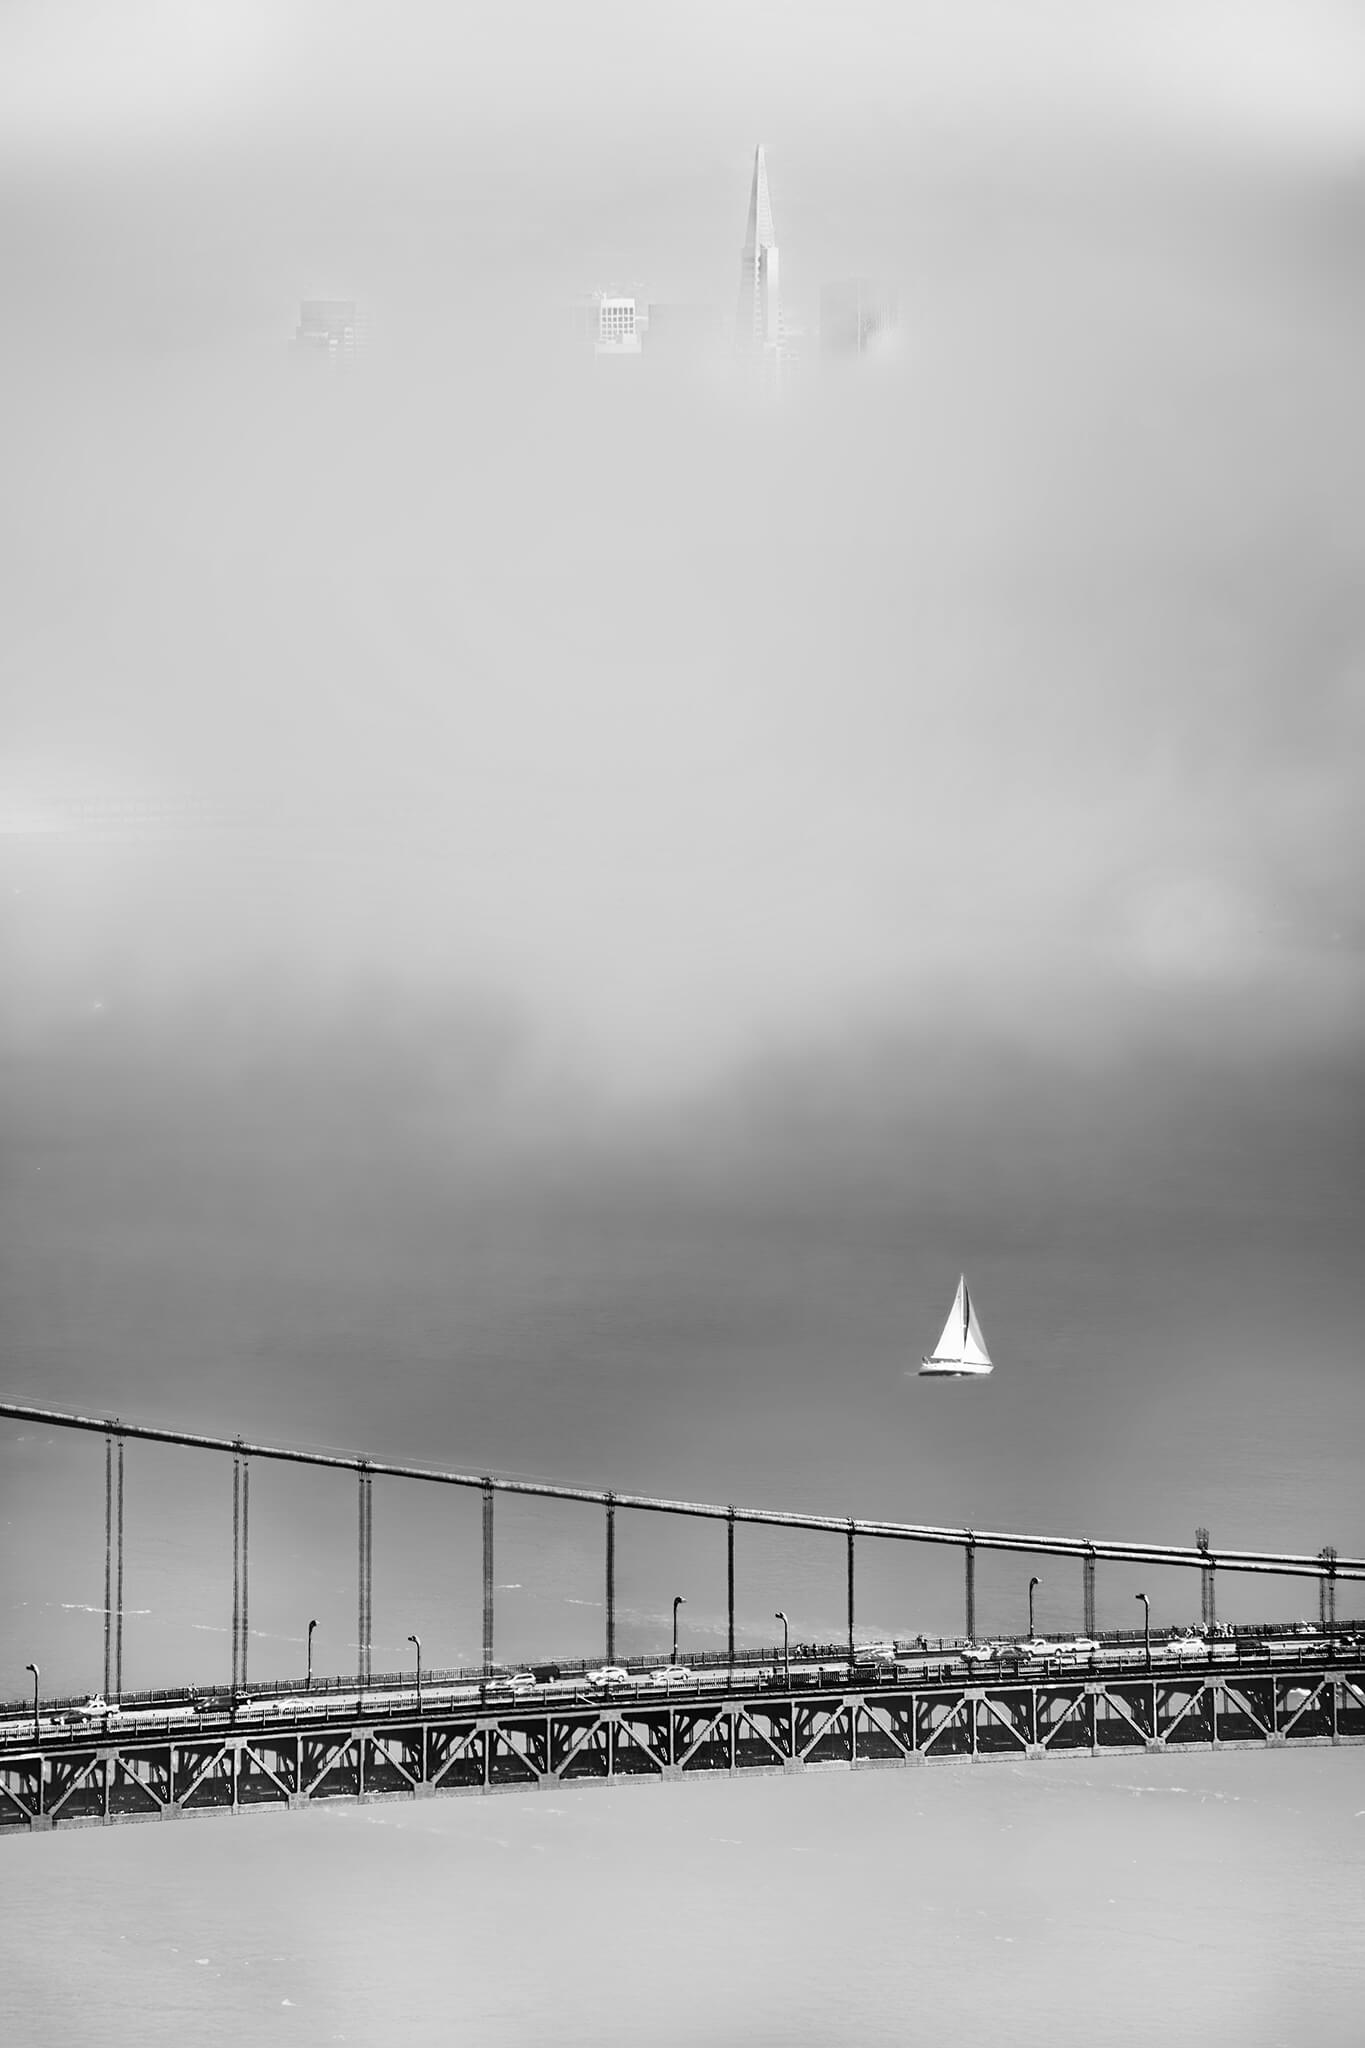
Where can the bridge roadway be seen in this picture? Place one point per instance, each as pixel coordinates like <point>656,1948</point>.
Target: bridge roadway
<point>156,1760</point>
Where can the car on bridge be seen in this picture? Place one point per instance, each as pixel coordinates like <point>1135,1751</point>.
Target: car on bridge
<point>1075,1652</point>
<point>606,1678</point>
<point>1037,1649</point>
<point>1186,1644</point>
<point>96,1708</point>
<point>670,1675</point>
<point>519,1684</point>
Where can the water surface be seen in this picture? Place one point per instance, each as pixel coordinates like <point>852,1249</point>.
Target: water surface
<point>1131,1900</point>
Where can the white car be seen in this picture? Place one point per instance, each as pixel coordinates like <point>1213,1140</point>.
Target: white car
<point>1186,1645</point>
<point>518,1683</point>
<point>1039,1647</point>
<point>672,1674</point>
<point>980,1653</point>
<point>96,1708</point>
<point>606,1676</point>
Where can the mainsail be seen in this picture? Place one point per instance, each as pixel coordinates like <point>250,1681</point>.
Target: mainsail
<point>961,1351</point>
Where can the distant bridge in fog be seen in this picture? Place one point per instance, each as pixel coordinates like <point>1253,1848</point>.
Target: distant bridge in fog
<point>141,1756</point>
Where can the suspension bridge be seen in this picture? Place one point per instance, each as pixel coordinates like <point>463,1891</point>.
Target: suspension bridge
<point>149,1755</point>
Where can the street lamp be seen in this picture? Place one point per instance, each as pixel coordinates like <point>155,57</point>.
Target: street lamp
<point>34,1669</point>
<point>1146,1626</point>
<point>678,1601</point>
<point>416,1642</point>
<point>1035,1581</point>
<point>786,1647</point>
<point>308,1682</point>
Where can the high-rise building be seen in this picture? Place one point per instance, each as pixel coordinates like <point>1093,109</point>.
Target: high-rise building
<point>858,317</point>
<point>619,326</point>
<point>611,322</point>
<point>330,330</point>
<point>758,321</point>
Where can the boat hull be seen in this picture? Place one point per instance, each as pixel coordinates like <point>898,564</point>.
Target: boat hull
<point>952,1369</point>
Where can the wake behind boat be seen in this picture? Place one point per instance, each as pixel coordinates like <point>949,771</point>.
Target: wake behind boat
<point>961,1351</point>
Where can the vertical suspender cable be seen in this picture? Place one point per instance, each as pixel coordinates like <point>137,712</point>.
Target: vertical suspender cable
<point>611,1580</point>
<point>369,1575</point>
<point>364,1574</point>
<point>850,1594</point>
<point>108,1562</point>
<point>236,1569</point>
<point>246,1522</point>
<point>118,1597</point>
<point>730,1584</point>
<point>360,1577</point>
<point>487,1577</point>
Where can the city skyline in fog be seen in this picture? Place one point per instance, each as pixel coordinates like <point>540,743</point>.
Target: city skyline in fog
<point>552,904</point>
<point>553,914</point>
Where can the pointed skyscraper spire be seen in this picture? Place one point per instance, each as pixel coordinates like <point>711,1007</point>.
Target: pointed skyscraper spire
<point>758,322</point>
<point>759,233</point>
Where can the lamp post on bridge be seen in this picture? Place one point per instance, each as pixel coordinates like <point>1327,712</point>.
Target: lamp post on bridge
<point>416,1642</point>
<point>678,1601</point>
<point>1146,1627</point>
<point>308,1681</point>
<point>34,1669</point>
<point>786,1647</point>
<point>1034,1581</point>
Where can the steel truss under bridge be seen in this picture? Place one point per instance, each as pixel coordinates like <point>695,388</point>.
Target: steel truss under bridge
<point>79,1781</point>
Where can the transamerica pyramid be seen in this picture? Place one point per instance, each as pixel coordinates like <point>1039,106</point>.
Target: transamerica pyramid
<point>758,320</point>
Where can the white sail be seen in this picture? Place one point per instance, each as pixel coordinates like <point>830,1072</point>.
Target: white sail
<point>949,1344</point>
<point>961,1350</point>
<point>973,1344</point>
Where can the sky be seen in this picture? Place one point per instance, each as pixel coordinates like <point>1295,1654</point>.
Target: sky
<point>545,917</point>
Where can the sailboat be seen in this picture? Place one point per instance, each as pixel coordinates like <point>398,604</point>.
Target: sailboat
<point>961,1351</point>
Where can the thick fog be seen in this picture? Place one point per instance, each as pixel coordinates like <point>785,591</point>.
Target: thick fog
<point>501,847</point>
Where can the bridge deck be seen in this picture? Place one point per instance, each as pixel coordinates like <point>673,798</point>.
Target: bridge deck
<point>220,1765</point>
